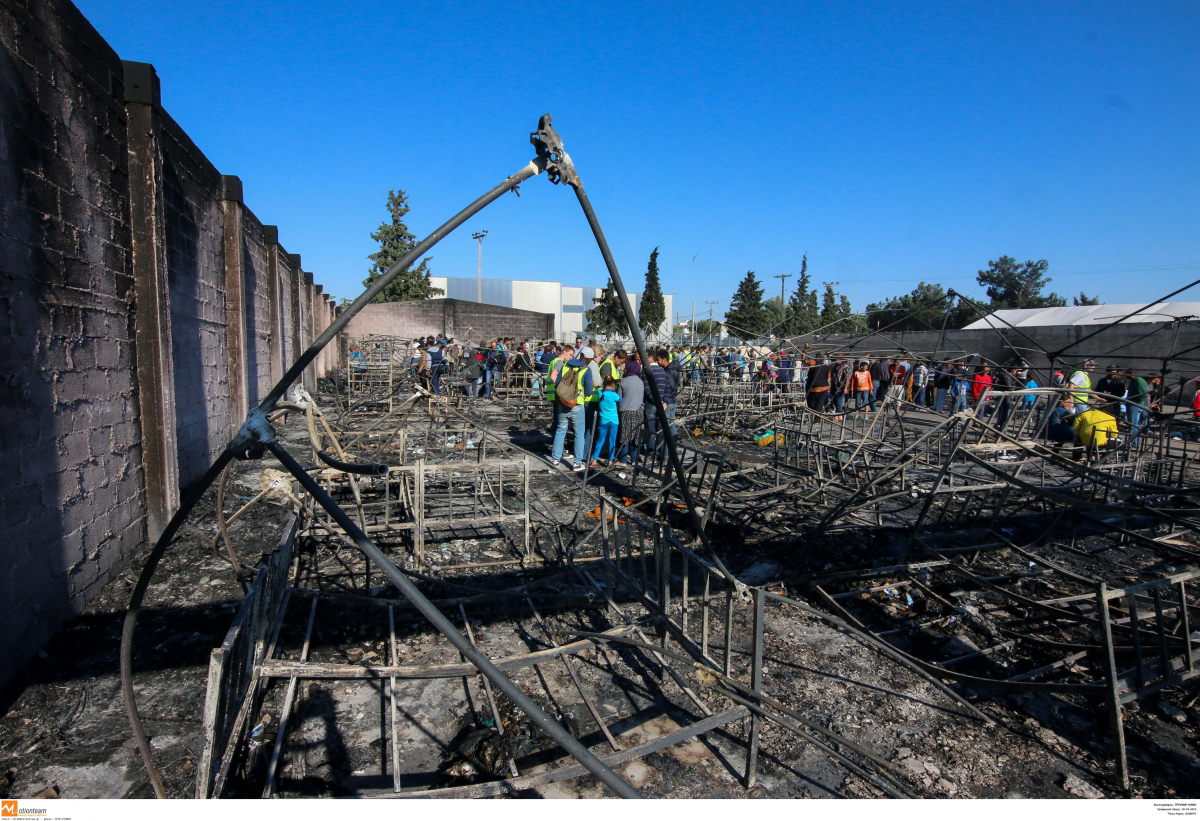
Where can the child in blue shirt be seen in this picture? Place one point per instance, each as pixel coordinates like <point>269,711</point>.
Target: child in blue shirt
<point>610,401</point>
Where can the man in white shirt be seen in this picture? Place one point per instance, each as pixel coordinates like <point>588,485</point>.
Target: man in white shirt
<point>899,377</point>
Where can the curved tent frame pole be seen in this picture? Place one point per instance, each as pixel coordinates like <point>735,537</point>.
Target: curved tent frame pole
<point>251,442</point>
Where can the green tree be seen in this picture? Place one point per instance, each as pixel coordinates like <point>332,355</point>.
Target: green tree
<point>395,240</point>
<point>708,328</point>
<point>773,310</point>
<point>804,314</point>
<point>924,309</point>
<point>1013,285</point>
<point>653,310</point>
<point>608,317</point>
<point>746,317</point>
<point>835,313</point>
<point>1084,299</point>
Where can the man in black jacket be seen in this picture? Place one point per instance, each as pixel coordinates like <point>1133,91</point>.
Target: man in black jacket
<point>881,377</point>
<point>943,381</point>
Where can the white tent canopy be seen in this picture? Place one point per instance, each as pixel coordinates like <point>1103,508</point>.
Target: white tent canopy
<point>1085,315</point>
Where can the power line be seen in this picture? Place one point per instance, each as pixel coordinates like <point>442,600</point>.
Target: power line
<point>1182,266</point>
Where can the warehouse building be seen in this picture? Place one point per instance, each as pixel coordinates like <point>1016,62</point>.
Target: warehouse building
<point>566,302</point>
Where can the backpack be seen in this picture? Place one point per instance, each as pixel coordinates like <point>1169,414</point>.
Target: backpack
<point>567,392</point>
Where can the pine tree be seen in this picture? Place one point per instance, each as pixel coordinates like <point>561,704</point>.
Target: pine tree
<point>395,240</point>
<point>1012,285</point>
<point>1084,299</point>
<point>803,313</point>
<point>836,314</point>
<point>746,317</point>
<point>608,317</point>
<point>653,310</point>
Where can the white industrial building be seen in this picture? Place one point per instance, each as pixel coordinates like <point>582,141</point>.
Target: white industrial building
<point>566,302</point>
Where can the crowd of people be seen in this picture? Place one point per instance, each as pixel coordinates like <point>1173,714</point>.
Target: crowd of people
<point>605,402</point>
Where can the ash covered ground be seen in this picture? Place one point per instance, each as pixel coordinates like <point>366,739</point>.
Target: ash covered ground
<point>64,729</point>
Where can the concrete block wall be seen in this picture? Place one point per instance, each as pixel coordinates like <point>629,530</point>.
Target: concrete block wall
<point>457,318</point>
<point>280,261</point>
<point>72,506</point>
<point>257,304</point>
<point>194,223</point>
<point>143,307</point>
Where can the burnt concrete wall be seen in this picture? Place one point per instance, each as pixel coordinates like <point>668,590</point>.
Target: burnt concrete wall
<point>1141,346</point>
<point>140,313</point>
<point>257,307</point>
<point>457,318</point>
<point>196,277</point>
<point>72,507</point>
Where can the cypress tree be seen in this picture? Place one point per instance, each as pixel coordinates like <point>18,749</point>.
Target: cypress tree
<point>653,310</point>
<point>395,240</point>
<point>836,315</point>
<point>746,317</point>
<point>803,313</point>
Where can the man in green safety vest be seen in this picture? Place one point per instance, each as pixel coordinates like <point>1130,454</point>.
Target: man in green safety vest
<point>567,354</point>
<point>613,365</point>
<point>1081,381</point>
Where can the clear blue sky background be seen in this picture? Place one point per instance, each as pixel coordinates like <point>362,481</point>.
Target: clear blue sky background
<point>891,143</point>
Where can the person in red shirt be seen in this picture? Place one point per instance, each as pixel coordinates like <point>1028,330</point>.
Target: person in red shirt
<point>979,383</point>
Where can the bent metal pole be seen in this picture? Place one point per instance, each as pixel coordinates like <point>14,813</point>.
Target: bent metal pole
<point>244,446</point>
<point>559,168</point>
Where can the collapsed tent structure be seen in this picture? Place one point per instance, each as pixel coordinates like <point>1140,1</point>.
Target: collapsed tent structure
<point>773,599</point>
<point>1063,573</point>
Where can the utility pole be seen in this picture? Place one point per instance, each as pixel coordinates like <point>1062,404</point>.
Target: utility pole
<point>710,321</point>
<point>692,327</point>
<point>783,278</point>
<point>671,332</point>
<point>478,237</point>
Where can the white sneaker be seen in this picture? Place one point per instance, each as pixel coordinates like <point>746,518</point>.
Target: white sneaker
<point>555,463</point>
<point>578,467</point>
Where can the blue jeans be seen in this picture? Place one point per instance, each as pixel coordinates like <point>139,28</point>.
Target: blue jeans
<point>839,402</point>
<point>487,385</point>
<point>939,399</point>
<point>1137,421</point>
<point>435,379</point>
<point>473,387</point>
<point>863,398</point>
<point>606,433</point>
<point>574,418</point>
<point>657,440</point>
<point>919,396</point>
<point>961,401</point>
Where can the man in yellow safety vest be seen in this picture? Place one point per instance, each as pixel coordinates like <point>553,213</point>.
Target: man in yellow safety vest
<point>1081,381</point>
<point>567,354</point>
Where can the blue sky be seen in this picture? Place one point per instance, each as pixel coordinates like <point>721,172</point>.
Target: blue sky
<point>891,142</point>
